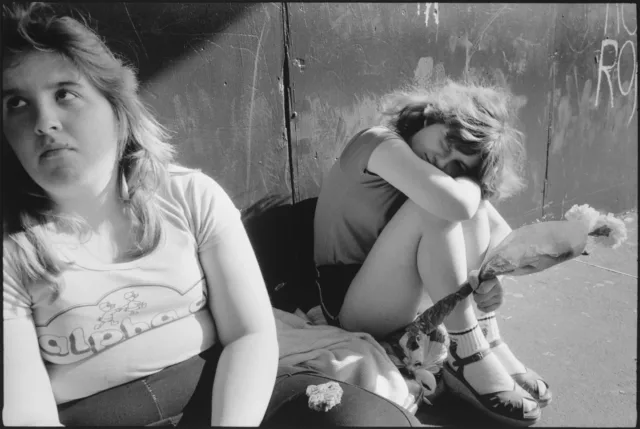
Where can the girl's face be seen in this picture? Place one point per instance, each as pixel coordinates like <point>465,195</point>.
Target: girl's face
<point>430,144</point>
<point>61,128</point>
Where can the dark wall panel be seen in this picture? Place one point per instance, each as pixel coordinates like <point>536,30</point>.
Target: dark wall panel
<point>345,57</point>
<point>593,153</point>
<point>213,74</point>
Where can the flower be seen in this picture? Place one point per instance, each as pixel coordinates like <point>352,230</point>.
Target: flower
<point>605,230</point>
<point>583,213</point>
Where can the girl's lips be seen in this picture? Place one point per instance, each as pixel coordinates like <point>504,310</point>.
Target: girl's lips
<point>52,153</point>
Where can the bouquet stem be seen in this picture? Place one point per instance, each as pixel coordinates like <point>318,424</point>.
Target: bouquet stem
<point>429,320</point>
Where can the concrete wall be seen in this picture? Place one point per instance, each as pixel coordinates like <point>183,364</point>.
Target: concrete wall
<point>263,97</point>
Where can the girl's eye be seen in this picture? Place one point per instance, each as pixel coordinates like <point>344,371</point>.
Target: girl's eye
<point>65,95</point>
<point>15,103</point>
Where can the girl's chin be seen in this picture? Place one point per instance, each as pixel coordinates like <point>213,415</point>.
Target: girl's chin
<point>65,183</point>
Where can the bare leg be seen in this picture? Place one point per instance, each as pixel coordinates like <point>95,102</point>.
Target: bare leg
<point>418,252</point>
<point>485,229</point>
<point>385,294</point>
<point>481,232</point>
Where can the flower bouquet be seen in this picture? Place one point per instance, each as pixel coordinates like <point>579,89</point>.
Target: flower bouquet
<point>419,349</point>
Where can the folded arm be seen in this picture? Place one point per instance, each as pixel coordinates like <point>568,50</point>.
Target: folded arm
<point>433,190</point>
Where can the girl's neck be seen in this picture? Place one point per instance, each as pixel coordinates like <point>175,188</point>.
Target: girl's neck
<point>110,236</point>
<point>94,208</point>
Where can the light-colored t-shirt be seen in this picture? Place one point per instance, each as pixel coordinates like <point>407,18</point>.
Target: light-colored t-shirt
<point>354,204</point>
<point>114,323</point>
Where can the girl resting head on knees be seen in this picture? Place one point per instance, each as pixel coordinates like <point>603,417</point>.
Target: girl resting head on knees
<point>404,215</point>
<point>132,295</point>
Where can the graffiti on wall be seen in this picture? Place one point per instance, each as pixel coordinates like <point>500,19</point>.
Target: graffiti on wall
<point>427,13</point>
<point>486,39</point>
<point>576,112</point>
<point>623,50</point>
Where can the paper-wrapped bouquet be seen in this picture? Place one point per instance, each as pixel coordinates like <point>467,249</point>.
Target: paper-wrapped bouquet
<point>419,349</point>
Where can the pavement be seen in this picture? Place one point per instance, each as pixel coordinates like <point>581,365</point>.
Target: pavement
<point>576,325</point>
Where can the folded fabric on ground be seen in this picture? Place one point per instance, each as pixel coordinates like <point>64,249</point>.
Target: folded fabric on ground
<point>352,357</point>
<point>419,361</point>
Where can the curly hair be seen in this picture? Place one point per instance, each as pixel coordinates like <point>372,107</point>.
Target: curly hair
<point>144,153</point>
<point>479,120</point>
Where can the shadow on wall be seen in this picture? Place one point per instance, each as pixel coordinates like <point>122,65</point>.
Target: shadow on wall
<point>212,73</point>
<point>153,38</point>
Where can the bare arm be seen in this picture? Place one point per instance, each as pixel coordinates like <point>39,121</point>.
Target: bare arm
<point>433,190</point>
<point>498,226</point>
<point>245,324</point>
<point>28,397</point>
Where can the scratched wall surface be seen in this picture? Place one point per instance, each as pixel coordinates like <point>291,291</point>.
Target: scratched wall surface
<point>593,152</point>
<point>221,75</point>
<point>345,57</point>
<point>212,73</point>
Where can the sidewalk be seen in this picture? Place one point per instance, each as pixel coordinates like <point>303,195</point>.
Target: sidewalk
<point>576,325</point>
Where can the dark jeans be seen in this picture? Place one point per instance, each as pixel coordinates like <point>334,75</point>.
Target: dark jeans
<point>181,396</point>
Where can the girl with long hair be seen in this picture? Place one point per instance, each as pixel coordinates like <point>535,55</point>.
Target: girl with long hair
<point>132,295</point>
<point>404,215</point>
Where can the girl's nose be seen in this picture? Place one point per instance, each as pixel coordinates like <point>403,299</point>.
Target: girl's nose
<point>46,121</point>
<point>444,160</point>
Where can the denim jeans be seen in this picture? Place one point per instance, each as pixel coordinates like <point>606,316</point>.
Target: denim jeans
<point>180,395</point>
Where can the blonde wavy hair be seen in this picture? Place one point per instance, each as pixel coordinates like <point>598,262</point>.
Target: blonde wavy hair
<point>144,153</point>
<point>479,119</point>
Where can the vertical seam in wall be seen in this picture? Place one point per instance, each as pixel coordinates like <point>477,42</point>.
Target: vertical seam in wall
<point>294,224</point>
<point>288,98</point>
<point>550,118</point>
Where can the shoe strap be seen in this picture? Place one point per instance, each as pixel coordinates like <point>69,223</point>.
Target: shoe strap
<point>479,355</point>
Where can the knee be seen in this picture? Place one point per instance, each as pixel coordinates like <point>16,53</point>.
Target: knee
<point>480,220</point>
<point>424,219</point>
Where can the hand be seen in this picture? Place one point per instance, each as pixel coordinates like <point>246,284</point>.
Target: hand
<point>489,295</point>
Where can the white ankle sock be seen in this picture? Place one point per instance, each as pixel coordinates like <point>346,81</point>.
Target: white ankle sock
<point>467,342</point>
<point>489,326</point>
